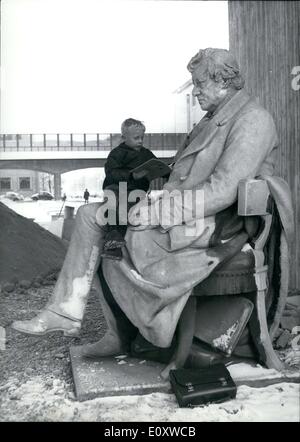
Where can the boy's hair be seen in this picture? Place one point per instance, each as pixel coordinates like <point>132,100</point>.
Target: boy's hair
<point>131,122</point>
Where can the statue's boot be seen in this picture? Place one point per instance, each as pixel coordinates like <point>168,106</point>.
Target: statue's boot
<point>109,345</point>
<point>46,322</point>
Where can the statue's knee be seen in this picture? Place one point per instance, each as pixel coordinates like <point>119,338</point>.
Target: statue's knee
<point>101,216</point>
<point>82,212</point>
<point>87,211</point>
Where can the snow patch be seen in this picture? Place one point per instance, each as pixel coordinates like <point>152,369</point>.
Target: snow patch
<point>37,402</point>
<point>223,341</point>
<point>248,372</point>
<point>140,278</point>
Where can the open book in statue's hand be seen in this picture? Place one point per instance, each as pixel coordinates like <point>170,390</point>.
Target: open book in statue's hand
<point>151,169</point>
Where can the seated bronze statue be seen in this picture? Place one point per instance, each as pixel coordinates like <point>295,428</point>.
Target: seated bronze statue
<point>150,293</point>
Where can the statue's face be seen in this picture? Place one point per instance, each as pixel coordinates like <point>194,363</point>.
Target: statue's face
<point>208,92</point>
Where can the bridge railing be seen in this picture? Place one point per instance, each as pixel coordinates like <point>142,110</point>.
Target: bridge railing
<point>84,141</point>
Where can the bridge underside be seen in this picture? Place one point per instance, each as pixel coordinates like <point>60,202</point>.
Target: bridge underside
<point>62,165</point>
<point>54,165</point>
<point>58,166</point>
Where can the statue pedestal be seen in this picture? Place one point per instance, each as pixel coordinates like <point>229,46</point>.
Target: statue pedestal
<point>115,376</point>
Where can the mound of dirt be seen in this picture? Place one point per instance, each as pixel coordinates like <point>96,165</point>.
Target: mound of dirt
<point>26,249</point>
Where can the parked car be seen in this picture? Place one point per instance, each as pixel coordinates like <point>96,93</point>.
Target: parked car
<point>44,195</point>
<point>14,196</point>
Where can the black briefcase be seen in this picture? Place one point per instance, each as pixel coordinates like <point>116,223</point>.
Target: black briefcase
<point>200,386</point>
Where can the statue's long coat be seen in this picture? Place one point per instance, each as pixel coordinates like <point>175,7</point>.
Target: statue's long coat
<point>160,267</point>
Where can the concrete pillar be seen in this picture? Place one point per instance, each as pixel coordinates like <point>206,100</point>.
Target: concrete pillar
<point>69,223</point>
<point>36,183</point>
<point>69,212</point>
<point>262,36</point>
<point>57,186</point>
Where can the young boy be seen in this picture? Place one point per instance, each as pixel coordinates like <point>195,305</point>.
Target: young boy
<point>118,168</point>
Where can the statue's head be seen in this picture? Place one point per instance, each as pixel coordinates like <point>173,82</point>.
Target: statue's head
<point>215,73</point>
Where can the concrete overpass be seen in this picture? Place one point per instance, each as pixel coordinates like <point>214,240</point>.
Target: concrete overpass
<point>55,158</point>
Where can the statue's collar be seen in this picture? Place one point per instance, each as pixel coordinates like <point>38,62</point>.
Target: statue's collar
<point>229,107</point>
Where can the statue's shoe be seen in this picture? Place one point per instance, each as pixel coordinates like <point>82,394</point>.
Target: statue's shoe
<point>47,322</point>
<point>109,345</point>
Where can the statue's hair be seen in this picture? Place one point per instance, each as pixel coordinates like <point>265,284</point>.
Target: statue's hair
<point>129,122</point>
<point>220,65</point>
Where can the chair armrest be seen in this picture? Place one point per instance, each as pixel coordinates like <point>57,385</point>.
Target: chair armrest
<point>253,197</point>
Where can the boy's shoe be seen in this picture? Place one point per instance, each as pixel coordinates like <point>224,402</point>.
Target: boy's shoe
<point>113,240</point>
<point>113,244</point>
<point>115,254</point>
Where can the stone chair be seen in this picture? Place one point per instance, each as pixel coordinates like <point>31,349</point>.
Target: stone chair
<point>248,273</point>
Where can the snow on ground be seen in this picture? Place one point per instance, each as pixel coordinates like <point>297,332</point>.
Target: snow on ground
<point>245,371</point>
<point>37,400</point>
<point>41,211</point>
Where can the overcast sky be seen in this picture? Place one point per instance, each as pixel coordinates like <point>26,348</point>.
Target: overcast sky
<point>85,66</point>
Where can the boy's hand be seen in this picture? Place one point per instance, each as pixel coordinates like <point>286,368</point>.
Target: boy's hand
<point>139,175</point>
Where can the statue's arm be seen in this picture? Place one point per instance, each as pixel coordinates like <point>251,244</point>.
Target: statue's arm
<point>250,141</point>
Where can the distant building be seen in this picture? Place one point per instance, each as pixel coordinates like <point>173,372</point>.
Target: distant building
<point>25,182</point>
<point>187,109</point>
<point>21,181</point>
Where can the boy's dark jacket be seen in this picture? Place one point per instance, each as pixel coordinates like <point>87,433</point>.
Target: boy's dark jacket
<point>120,162</point>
